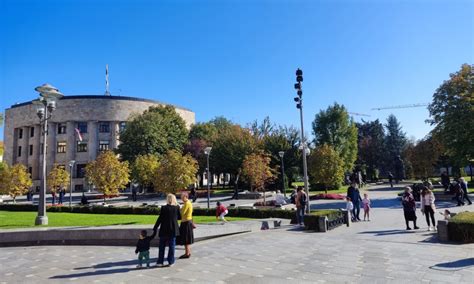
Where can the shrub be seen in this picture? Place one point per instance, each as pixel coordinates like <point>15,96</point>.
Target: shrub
<point>327,196</point>
<point>461,227</point>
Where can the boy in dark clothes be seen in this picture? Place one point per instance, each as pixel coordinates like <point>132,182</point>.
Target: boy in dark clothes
<point>143,248</point>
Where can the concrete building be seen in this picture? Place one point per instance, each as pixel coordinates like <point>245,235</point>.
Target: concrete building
<point>98,118</point>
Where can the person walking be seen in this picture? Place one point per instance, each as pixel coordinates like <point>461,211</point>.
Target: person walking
<point>390,179</point>
<point>428,207</point>
<point>445,181</point>
<point>62,192</point>
<point>354,194</point>
<point>186,235</point>
<point>169,229</point>
<point>366,204</point>
<point>463,184</point>
<point>409,207</point>
<point>301,200</point>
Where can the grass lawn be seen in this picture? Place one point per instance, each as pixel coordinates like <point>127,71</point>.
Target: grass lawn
<point>11,219</point>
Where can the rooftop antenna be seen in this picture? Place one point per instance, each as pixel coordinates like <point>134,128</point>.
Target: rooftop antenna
<point>107,93</point>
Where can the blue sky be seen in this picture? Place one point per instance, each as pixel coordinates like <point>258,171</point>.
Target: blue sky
<point>238,58</point>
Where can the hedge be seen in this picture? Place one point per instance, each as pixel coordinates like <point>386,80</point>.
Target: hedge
<point>461,227</point>
<point>311,221</point>
<point>154,210</point>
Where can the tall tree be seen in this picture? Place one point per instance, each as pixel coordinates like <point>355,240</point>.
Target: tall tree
<point>58,178</point>
<point>176,172</point>
<point>144,168</point>
<point>335,128</point>
<point>14,180</point>
<point>205,131</point>
<point>326,167</point>
<point>371,138</point>
<point>423,157</point>
<point>452,114</point>
<point>256,171</point>
<point>156,131</point>
<point>108,174</point>
<point>395,142</point>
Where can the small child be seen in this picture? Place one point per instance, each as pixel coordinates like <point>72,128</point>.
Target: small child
<point>143,248</point>
<point>349,208</point>
<point>446,214</point>
<point>221,211</point>
<point>366,204</point>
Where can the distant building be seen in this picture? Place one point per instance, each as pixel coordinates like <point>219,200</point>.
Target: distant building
<point>98,119</point>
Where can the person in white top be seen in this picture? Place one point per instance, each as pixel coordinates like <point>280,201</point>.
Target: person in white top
<point>428,206</point>
<point>280,198</point>
<point>349,208</point>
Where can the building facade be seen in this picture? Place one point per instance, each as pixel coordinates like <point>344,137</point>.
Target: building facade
<point>98,119</point>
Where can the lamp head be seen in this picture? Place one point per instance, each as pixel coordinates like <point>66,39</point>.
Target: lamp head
<point>51,105</point>
<point>207,150</point>
<point>40,112</point>
<point>71,163</point>
<point>281,154</point>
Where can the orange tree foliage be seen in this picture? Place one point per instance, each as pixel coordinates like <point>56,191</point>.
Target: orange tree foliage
<point>256,171</point>
<point>108,174</point>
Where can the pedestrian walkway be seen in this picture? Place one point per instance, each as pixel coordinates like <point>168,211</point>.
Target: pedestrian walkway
<point>379,251</point>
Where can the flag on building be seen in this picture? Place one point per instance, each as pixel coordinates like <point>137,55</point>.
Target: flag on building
<point>78,134</point>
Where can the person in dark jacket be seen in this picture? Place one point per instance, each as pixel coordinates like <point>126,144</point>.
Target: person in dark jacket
<point>169,229</point>
<point>409,208</point>
<point>354,194</point>
<point>143,248</point>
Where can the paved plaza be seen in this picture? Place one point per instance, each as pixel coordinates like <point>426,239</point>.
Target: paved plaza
<point>379,251</point>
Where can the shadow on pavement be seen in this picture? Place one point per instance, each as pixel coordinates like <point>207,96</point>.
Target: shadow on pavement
<point>389,232</point>
<point>454,265</point>
<point>114,264</point>
<point>92,273</point>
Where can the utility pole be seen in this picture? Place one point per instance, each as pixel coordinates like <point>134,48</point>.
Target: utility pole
<point>304,146</point>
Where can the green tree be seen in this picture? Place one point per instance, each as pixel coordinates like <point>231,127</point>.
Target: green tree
<point>230,149</point>
<point>57,178</point>
<point>371,138</point>
<point>176,172</point>
<point>395,142</point>
<point>14,180</point>
<point>452,114</point>
<point>256,171</point>
<point>108,174</point>
<point>156,131</point>
<point>326,167</point>
<point>335,128</point>
<point>423,157</point>
<point>206,131</point>
<point>144,169</point>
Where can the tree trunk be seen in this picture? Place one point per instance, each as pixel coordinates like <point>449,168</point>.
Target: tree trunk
<point>325,190</point>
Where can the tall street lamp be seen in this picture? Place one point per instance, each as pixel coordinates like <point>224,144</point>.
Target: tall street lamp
<point>299,105</point>
<point>281,154</point>
<point>46,104</point>
<point>71,166</point>
<point>207,151</point>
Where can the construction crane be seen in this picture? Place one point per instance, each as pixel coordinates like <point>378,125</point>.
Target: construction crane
<point>401,106</point>
<point>358,114</point>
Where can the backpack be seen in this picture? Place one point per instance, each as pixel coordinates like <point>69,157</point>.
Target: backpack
<point>303,199</point>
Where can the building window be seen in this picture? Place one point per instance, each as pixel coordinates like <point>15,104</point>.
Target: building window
<point>103,145</point>
<point>19,151</point>
<point>20,133</point>
<point>104,127</point>
<point>32,132</point>
<point>30,171</point>
<point>82,126</point>
<point>78,187</point>
<point>80,170</point>
<point>31,150</point>
<point>81,146</point>
<point>122,126</point>
<point>61,128</point>
<point>61,147</point>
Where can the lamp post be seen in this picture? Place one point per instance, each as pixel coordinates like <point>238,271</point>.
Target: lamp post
<point>281,154</point>
<point>71,165</point>
<point>46,104</point>
<point>207,151</point>
<point>299,105</point>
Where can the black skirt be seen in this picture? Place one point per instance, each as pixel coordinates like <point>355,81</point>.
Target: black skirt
<point>186,235</point>
<point>410,215</point>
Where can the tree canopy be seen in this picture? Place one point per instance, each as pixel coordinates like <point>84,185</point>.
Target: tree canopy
<point>14,180</point>
<point>144,168</point>
<point>334,127</point>
<point>108,174</point>
<point>395,142</point>
<point>156,131</point>
<point>371,138</point>
<point>176,172</point>
<point>326,167</point>
<point>452,114</point>
<point>256,171</point>
<point>57,178</point>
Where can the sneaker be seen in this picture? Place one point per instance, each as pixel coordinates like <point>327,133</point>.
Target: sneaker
<point>429,228</point>
<point>159,265</point>
<point>408,228</point>
<point>139,266</point>
<point>434,228</point>
<point>171,265</point>
<point>416,228</point>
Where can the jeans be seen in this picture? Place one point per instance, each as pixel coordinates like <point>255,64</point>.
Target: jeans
<point>144,255</point>
<point>171,242</point>
<point>300,214</point>
<point>356,211</point>
<point>465,196</point>
<point>429,213</point>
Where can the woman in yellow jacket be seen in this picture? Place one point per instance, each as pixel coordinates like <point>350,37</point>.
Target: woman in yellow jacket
<point>186,235</point>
